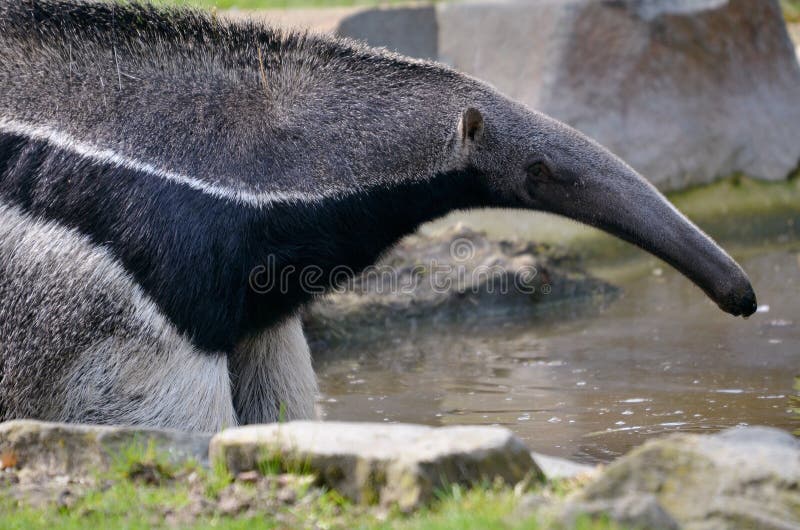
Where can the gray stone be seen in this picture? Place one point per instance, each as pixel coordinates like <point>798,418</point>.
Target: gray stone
<point>555,468</point>
<point>408,30</point>
<point>391,464</point>
<point>456,272</point>
<point>686,91</point>
<point>41,448</point>
<point>635,511</point>
<point>740,478</point>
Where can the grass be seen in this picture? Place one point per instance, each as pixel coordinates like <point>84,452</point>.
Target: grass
<point>132,506</point>
<point>144,489</point>
<point>791,10</point>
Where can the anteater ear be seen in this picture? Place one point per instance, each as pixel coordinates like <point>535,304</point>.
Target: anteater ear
<point>471,125</point>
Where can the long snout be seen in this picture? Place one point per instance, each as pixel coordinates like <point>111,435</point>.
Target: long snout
<point>614,198</point>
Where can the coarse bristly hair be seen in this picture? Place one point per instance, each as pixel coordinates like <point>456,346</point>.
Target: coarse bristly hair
<point>193,148</point>
<point>152,159</point>
<point>189,151</point>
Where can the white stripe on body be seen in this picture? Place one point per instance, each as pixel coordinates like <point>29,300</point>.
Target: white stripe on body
<point>103,155</point>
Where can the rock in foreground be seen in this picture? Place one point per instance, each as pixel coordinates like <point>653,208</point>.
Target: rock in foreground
<point>399,464</point>
<point>555,468</point>
<point>49,449</point>
<point>740,478</point>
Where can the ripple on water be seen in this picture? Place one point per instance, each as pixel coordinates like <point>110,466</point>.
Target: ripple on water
<point>601,387</point>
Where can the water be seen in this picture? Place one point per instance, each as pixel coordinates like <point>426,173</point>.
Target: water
<point>658,359</point>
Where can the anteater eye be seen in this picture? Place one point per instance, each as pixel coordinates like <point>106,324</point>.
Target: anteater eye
<point>538,170</point>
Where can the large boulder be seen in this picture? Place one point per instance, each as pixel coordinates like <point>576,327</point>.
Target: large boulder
<point>686,91</point>
<point>399,465</point>
<point>393,28</point>
<point>741,478</point>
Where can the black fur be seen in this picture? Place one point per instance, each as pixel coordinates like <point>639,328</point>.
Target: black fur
<point>194,254</point>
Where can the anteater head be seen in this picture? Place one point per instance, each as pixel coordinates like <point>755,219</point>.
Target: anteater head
<point>532,161</point>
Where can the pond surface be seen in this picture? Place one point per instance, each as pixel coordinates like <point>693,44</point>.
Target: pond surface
<point>659,358</point>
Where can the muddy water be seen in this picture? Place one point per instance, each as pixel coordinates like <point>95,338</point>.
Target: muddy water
<point>659,358</point>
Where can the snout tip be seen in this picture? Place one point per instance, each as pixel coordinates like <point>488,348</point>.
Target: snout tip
<point>740,302</point>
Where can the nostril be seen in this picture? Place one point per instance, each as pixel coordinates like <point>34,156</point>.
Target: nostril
<point>737,296</point>
<point>744,299</point>
<point>749,303</point>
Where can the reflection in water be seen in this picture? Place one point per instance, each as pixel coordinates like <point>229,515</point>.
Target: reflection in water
<point>660,358</point>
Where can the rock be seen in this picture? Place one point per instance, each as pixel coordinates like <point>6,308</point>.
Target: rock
<point>636,511</point>
<point>390,464</point>
<point>235,499</point>
<point>741,478</point>
<point>59,449</point>
<point>392,27</point>
<point>555,468</point>
<point>248,477</point>
<point>686,91</point>
<point>456,273</point>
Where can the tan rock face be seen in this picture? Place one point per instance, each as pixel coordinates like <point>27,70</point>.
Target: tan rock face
<point>399,465</point>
